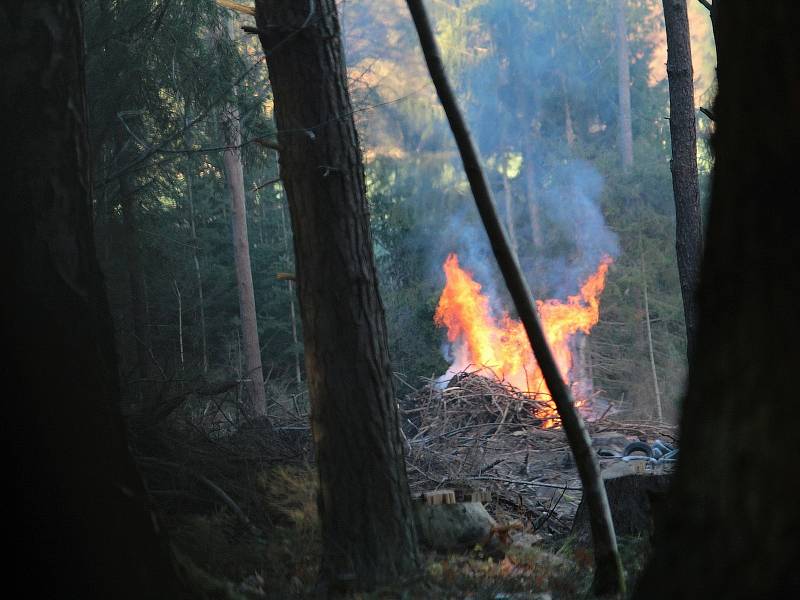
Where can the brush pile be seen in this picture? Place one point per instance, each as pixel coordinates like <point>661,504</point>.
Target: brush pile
<point>479,433</point>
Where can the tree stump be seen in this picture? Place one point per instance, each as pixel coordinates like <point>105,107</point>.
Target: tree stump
<point>633,499</point>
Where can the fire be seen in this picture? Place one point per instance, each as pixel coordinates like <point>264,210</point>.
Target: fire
<point>498,347</point>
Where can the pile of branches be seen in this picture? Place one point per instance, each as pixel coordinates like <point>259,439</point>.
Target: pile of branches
<point>480,433</point>
<point>469,401</point>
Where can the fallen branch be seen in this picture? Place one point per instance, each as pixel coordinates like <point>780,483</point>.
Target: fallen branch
<point>240,8</point>
<point>209,484</point>
<point>524,482</point>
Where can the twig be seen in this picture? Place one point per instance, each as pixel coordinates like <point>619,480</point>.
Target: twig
<point>523,482</point>
<point>708,113</point>
<point>266,183</point>
<point>552,510</point>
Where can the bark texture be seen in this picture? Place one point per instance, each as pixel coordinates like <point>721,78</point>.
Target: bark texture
<point>634,501</point>
<point>732,531</point>
<point>81,526</point>
<point>683,133</point>
<point>354,415</point>
<point>234,176</point>
<point>624,87</point>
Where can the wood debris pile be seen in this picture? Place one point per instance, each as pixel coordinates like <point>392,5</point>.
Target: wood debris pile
<point>480,433</point>
<point>484,434</point>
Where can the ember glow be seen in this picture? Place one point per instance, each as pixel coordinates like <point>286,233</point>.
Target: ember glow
<point>498,347</point>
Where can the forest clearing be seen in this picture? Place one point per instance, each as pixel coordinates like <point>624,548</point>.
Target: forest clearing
<point>458,299</point>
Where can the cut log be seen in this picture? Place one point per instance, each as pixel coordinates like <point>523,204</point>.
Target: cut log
<point>440,497</point>
<point>633,498</point>
<point>469,495</point>
<point>452,526</point>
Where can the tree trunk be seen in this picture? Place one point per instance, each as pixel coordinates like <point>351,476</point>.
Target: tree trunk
<point>648,329</point>
<point>138,312</point>
<point>292,312</point>
<point>688,232</point>
<point>234,175</point>
<point>354,415</point>
<point>733,524</point>
<point>533,204</point>
<point>508,197</point>
<point>84,528</point>
<point>198,275</point>
<point>624,88</point>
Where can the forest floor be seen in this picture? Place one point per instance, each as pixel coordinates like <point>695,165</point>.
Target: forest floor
<point>242,506</point>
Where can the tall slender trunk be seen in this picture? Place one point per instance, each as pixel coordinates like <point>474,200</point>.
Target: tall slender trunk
<point>234,175</point>
<point>659,412</point>
<point>292,312</point>
<point>198,274</point>
<point>569,126</point>
<point>532,201</point>
<point>508,197</point>
<point>688,228</point>
<point>180,320</point>
<point>354,414</point>
<point>82,525</point>
<point>138,309</point>
<point>624,88</point>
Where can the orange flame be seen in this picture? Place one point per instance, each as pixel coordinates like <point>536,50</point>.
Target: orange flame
<point>499,348</point>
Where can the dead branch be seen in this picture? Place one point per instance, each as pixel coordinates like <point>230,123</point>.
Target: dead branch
<point>525,483</point>
<point>209,484</point>
<point>707,112</point>
<point>240,8</point>
<point>272,145</point>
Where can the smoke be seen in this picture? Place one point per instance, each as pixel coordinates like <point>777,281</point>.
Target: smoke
<point>527,96</point>
<point>575,226</point>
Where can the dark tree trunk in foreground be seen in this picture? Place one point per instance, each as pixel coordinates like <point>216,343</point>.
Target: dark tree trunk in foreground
<point>734,521</point>
<point>365,506</point>
<point>83,526</point>
<point>608,575</point>
<point>683,133</point>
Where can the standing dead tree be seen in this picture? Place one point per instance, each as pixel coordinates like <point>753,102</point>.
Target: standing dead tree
<point>623,87</point>
<point>608,574</point>
<point>234,176</point>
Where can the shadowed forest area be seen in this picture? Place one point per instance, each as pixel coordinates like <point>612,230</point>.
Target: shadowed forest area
<point>470,299</point>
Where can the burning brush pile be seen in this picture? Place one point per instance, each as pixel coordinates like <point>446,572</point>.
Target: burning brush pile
<point>497,346</point>
<point>489,422</point>
<point>481,433</point>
